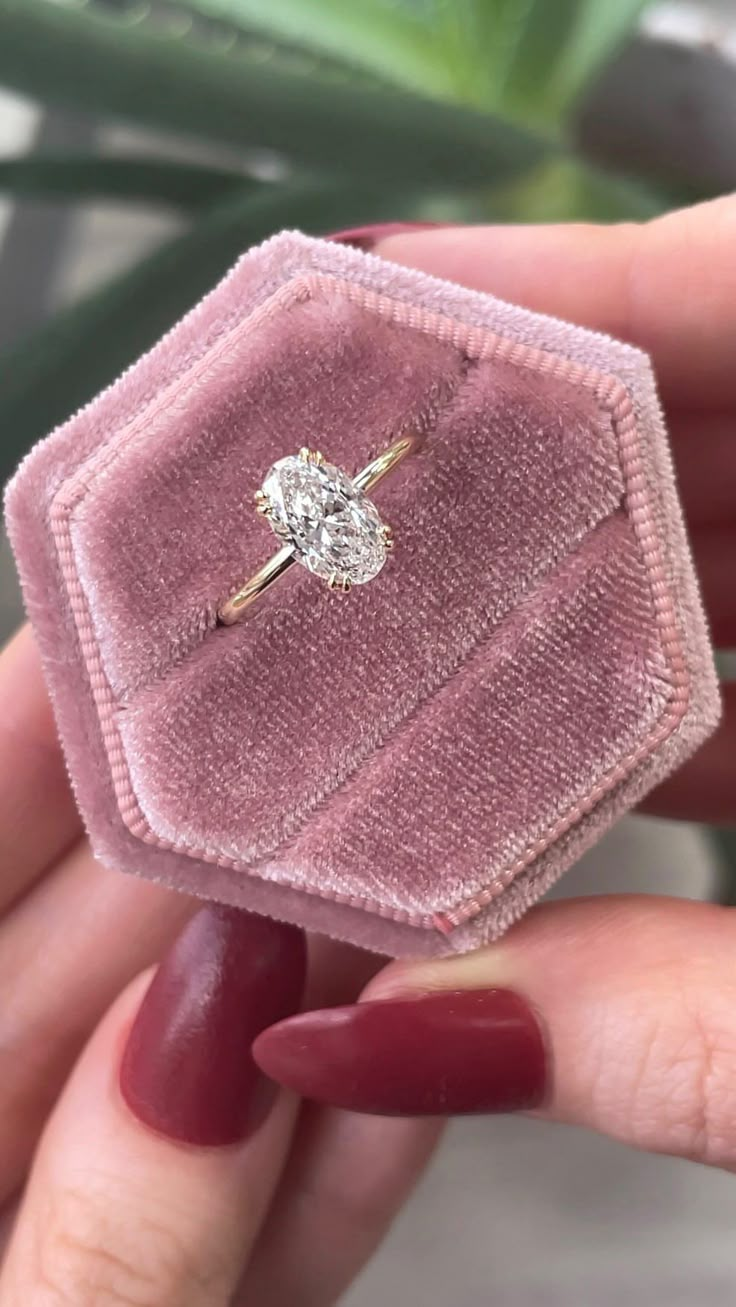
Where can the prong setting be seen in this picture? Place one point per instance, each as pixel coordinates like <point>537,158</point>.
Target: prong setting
<point>311,456</point>
<point>335,529</point>
<point>324,520</point>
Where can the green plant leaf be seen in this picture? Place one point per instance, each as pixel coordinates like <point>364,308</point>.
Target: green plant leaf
<point>601,28</point>
<point>78,177</point>
<point>95,62</point>
<point>539,54</point>
<point>394,41</point>
<point>576,191</point>
<point>536,34</point>
<point>48,375</point>
<point>533,56</point>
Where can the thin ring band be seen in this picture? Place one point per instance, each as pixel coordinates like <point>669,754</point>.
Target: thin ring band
<point>233,609</point>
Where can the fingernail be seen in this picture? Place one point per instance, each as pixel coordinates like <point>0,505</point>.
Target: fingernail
<point>364,238</point>
<point>449,1053</point>
<point>188,1071</point>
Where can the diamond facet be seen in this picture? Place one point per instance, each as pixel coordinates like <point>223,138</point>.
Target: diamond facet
<point>336,531</point>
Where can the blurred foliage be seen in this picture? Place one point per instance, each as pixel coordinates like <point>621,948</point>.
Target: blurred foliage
<point>525,58</point>
<point>355,111</point>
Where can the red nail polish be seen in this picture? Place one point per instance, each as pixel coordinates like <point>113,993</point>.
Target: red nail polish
<point>187,1070</point>
<point>364,238</point>
<point>445,1054</point>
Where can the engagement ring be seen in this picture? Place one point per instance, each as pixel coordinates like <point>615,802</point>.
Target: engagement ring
<point>326,520</point>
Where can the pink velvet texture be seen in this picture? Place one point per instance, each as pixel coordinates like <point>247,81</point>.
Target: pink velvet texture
<point>411,767</point>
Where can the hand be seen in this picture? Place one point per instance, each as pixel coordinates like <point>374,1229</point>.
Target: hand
<point>617,1013</point>
<point>153,1194</point>
<point>157,1168</point>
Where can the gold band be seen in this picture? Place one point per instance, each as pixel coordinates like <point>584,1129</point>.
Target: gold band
<point>385,462</point>
<point>233,609</point>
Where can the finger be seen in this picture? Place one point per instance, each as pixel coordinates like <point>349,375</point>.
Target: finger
<point>704,788</point>
<point>346,1179</point>
<point>338,971</point>
<point>704,446</point>
<point>38,816</point>
<point>66,951</point>
<point>668,286</point>
<point>617,1014</point>
<point>714,549</point>
<point>8,1217</point>
<point>117,1213</point>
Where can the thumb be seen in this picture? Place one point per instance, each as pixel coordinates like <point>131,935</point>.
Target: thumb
<point>618,1014</point>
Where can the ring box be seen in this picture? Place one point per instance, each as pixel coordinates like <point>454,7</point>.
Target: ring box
<point>409,767</point>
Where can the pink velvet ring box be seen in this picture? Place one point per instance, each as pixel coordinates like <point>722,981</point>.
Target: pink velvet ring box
<point>411,766</point>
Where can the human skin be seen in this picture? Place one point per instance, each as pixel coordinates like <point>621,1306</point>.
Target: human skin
<point>160,1186</point>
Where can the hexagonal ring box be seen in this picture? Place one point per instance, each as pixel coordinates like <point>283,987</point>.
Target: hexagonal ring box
<point>410,766</point>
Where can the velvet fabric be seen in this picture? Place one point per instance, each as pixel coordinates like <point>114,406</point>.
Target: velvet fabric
<point>410,767</point>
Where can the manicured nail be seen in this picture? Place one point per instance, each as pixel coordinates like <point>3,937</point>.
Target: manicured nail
<point>449,1053</point>
<point>364,238</point>
<point>188,1070</point>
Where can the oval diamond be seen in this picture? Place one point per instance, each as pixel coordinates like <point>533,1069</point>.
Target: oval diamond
<point>335,529</point>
